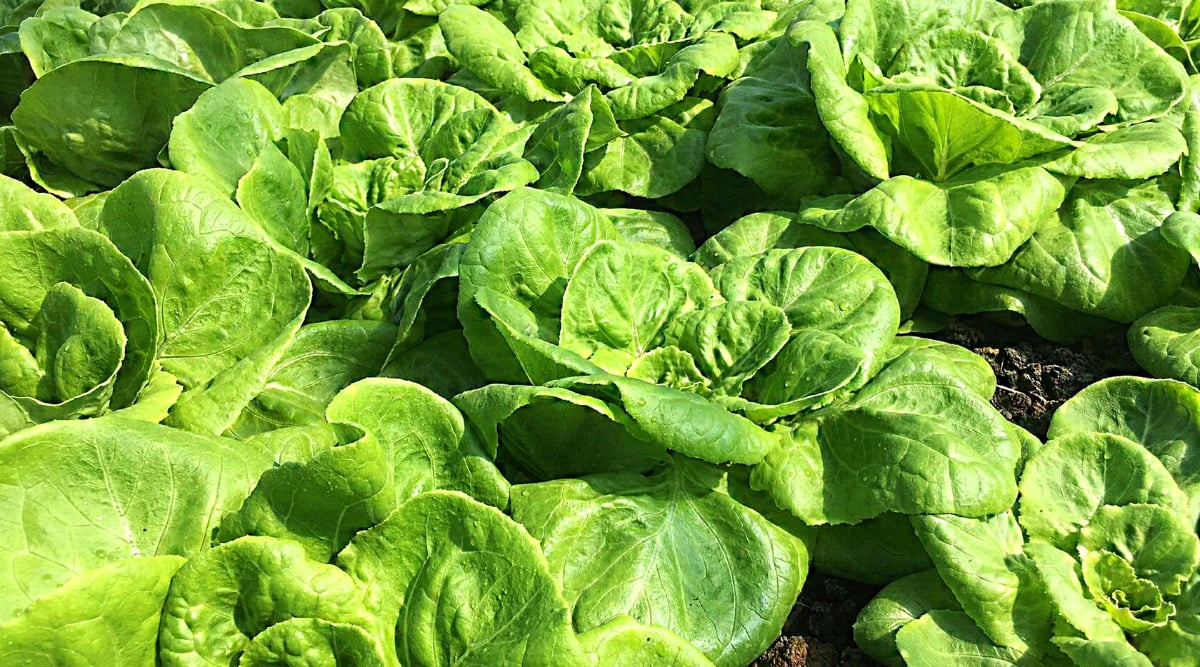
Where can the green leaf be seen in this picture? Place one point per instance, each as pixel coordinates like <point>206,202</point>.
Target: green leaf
<point>1164,341</point>
<point>298,642</point>
<point>225,131</point>
<point>526,245</point>
<point>319,503</point>
<point>1138,151</point>
<point>1160,546</point>
<point>825,289</point>
<point>97,491</point>
<point>981,561</point>
<point>977,218</point>
<point>487,48</point>
<point>917,439</point>
<point>107,614</point>
<point>769,119</point>
<point>204,42</point>
<point>440,572</point>
<point>623,296</point>
<point>892,549</point>
<point>680,420</point>
<point>559,144</point>
<point>620,544</point>
<point>1101,254</point>
<point>623,642</point>
<point>1064,35</point>
<point>1074,475</point>
<point>541,428</point>
<point>1062,578</point>
<point>423,438</point>
<point>654,157</point>
<point>224,292</point>
<point>23,209</point>
<point>901,602</point>
<point>222,599</point>
<point>1135,604</point>
<point>89,263</point>
<point>952,292</point>
<point>56,37</point>
<point>1162,415</point>
<point>842,109</point>
<point>657,228</point>
<point>1113,652</point>
<point>1176,642</point>
<point>321,360</point>
<point>945,638</point>
<point>80,346</point>
<point>137,97</point>
<point>732,341</point>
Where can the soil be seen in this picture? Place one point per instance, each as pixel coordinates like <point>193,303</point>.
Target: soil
<point>1033,377</point>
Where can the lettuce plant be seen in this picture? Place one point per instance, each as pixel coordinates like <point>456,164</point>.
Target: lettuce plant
<point>1096,563</point>
<point>567,332</point>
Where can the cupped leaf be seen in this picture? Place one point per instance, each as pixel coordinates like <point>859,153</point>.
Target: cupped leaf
<point>223,292</point>
<point>318,504</point>
<point>1135,604</point>
<point>452,581</point>
<point>950,291</point>
<point>884,450</point>
<point>100,279</point>
<point>842,109</point>
<point>1176,642</point>
<point>1162,415</point>
<point>977,218</point>
<point>825,289</point>
<point>943,133</point>
<point>299,642</point>
<point>552,432</point>
<point>657,228</point>
<point>423,437</point>
<point>222,599</point>
<point>526,246</point>
<point>136,96</point>
<point>623,296</point>
<point>732,341</point>
<point>486,47</point>
<point>1058,50</point>
<point>322,359</point>
<point>729,602</point>
<point>1155,541</point>
<point>898,604</point>
<point>1073,476</point>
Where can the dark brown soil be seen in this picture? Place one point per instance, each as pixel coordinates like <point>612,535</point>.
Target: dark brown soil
<point>819,632</point>
<point>1033,378</point>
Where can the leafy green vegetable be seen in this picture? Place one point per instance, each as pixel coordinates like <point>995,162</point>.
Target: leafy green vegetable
<point>481,332</point>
